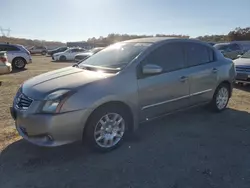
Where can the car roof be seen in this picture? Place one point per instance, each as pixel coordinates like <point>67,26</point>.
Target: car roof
<point>155,40</point>
<point>152,39</point>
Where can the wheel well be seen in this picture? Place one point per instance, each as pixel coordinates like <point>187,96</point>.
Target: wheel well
<point>117,104</point>
<point>19,58</point>
<point>62,56</point>
<point>229,86</point>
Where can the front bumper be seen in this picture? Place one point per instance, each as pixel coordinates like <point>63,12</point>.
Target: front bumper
<point>29,61</point>
<point>50,129</point>
<point>242,77</point>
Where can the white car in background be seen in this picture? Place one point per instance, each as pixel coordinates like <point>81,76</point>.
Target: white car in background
<point>17,55</point>
<point>88,53</point>
<point>68,55</point>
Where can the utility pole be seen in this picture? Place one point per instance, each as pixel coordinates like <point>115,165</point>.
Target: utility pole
<point>5,32</point>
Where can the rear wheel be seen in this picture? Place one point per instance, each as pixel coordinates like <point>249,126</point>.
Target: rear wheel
<point>220,98</point>
<point>106,128</point>
<point>62,58</point>
<point>18,63</point>
<point>43,52</point>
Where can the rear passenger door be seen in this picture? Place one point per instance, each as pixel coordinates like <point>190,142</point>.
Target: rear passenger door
<point>202,72</point>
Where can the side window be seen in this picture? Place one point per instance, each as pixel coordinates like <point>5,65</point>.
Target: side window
<point>12,48</point>
<point>234,47</point>
<point>8,48</point>
<point>169,56</point>
<point>198,54</point>
<point>74,50</point>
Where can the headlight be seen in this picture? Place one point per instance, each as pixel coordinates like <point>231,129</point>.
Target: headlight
<point>55,100</point>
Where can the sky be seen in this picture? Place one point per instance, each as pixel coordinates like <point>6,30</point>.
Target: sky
<point>77,20</point>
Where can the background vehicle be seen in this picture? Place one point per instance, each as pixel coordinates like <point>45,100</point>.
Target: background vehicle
<point>229,50</point>
<point>88,53</point>
<point>109,93</point>
<point>17,55</point>
<point>5,66</point>
<point>242,65</point>
<point>68,55</point>
<point>60,49</point>
<point>38,50</point>
<point>211,43</point>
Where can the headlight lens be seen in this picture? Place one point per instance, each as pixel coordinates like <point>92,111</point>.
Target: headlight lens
<point>55,100</point>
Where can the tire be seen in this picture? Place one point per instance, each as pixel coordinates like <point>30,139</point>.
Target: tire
<point>19,63</point>
<point>43,52</point>
<point>100,136</point>
<point>62,58</point>
<point>220,98</point>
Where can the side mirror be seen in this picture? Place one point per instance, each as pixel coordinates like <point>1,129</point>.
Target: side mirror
<point>151,69</point>
<point>239,56</point>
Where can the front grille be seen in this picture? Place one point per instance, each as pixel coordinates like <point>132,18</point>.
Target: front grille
<point>245,69</point>
<point>23,102</point>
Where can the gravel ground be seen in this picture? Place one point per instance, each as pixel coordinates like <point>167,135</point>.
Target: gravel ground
<point>192,149</point>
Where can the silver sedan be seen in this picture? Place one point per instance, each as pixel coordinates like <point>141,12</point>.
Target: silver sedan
<point>106,96</point>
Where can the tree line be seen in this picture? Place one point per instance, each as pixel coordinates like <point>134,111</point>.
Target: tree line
<point>238,34</point>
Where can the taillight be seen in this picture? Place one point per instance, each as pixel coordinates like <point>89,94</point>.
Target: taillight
<point>3,59</point>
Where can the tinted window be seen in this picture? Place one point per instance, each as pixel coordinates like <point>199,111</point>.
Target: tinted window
<point>74,50</point>
<point>169,56</point>
<point>8,48</point>
<point>221,46</point>
<point>198,54</point>
<point>234,47</point>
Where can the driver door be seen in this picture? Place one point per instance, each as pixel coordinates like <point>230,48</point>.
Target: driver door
<point>167,91</point>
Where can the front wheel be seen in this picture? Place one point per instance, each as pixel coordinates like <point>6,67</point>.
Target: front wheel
<point>106,128</point>
<point>220,98</point>
<point>62,58</point>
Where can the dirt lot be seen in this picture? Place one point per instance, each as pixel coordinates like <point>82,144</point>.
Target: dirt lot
<point>190,149</point>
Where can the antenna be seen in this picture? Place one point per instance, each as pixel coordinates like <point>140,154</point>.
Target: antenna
<point>5,32</point>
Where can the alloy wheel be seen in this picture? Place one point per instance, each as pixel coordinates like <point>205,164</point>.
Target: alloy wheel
<point>222,98</point>
<point>109,130</point>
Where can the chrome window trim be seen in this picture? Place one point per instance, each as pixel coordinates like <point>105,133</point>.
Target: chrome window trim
<point>176,99</point>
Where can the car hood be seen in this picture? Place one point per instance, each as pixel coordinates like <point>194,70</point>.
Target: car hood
<point>66,78</point>
<point>242,62</point>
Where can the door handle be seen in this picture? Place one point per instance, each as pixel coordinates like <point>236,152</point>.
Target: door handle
<point>214,70</point>
<point>183,79</point>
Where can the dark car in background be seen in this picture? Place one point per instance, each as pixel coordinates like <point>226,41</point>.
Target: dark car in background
<point>211,43</point>
<point>56,50</point>
<point>84,55</point>
<point>230,50</point>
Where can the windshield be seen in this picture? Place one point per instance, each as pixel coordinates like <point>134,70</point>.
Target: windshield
<point>116,56</point>
<point>221,46</point>
<point>246,55</point>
